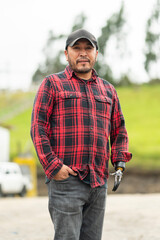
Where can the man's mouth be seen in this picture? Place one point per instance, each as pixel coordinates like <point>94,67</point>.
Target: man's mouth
<point>83,61</point>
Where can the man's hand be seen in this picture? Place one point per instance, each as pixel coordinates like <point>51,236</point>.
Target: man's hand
<point>119,167</point>
<point>117,180</point>
<point>64,173</point>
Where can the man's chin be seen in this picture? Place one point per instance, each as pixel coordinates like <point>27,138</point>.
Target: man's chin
<point>83,70</point>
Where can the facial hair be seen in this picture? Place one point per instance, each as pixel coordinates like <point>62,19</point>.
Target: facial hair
<point>81,70</point>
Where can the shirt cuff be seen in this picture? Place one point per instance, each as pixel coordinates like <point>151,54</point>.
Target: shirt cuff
<point>120,157</point>
<point>53,168</point>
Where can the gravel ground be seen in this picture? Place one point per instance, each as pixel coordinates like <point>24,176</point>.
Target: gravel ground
<point>127,217</point>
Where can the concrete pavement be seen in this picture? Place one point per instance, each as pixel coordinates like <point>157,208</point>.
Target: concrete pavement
<point>127,217</point>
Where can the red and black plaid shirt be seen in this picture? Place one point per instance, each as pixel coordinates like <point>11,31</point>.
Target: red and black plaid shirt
<point>72,121</point>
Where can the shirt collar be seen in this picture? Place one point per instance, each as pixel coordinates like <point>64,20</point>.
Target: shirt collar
<point>70,73</point>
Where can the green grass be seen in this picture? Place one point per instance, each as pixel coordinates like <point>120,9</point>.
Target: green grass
<point>140,106</point>
<point>15,114</point>
<point>11,103</point>
<point>20,141</point>
<point>141,109</point>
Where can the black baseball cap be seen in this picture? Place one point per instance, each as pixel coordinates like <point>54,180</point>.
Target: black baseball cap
<point>79,34</point>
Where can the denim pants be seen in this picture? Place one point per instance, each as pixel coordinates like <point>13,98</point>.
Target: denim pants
<point>76,209</point>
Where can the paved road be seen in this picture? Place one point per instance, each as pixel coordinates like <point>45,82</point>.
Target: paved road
<point>128,217</point>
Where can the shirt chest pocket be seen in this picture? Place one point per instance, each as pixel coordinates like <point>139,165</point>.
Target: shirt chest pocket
<point>103,106</point>
<point>69,100</point>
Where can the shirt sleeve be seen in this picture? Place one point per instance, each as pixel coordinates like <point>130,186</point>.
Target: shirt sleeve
<point>40,126</point>
<point>118,136</point>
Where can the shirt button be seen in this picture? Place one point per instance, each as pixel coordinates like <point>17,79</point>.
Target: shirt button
<point>91,128</point>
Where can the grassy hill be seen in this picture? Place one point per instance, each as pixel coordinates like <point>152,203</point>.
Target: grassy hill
<point>15,114</point>
<point>140,106</point>
<point>142,113</point>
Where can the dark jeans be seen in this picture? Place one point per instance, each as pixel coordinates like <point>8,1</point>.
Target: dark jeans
<point>76,209</point>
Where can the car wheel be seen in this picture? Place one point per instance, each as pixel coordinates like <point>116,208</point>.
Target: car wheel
<point>23,192</point>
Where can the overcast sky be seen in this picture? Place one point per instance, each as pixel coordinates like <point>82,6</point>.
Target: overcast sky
<point>24,27</point>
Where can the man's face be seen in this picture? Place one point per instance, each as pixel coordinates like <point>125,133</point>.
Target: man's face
<point>81,57</point>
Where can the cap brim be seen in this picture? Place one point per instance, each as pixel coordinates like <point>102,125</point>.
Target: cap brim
<point>72,43</point>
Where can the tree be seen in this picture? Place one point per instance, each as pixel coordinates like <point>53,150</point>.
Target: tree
<point>112,29</point>
<point>152,40</point>
<point>79,22</point>
<point>54,62</point>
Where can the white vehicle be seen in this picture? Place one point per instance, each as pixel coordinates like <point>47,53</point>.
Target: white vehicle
<point>12,181</point>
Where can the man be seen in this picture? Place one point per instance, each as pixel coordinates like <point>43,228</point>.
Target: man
<point>74,114</point>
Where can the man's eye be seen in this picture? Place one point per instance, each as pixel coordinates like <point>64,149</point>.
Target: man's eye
<point>89,48</point>
<point>76,48</point>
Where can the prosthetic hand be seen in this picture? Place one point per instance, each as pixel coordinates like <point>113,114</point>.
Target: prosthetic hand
<point>119,167</point>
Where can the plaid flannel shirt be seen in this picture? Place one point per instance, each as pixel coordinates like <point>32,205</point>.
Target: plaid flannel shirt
<point>72,121</point>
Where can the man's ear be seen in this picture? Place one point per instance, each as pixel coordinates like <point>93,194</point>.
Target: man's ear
<point>66,54</point>
<point>96,55</point>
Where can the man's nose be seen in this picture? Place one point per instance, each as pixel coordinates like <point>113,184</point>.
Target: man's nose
<point>83,52</point>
